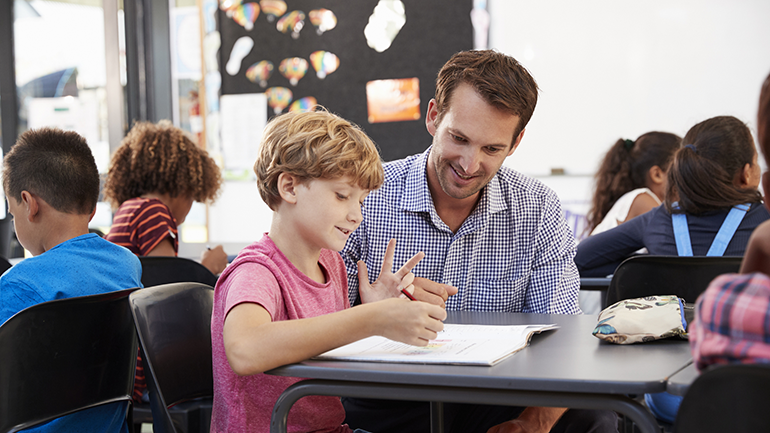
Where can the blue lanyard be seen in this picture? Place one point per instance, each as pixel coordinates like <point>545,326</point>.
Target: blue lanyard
<point>723,237</point>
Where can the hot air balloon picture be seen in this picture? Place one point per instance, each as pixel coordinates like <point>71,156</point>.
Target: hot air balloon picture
<point>278,98</point>
<point>246,14</point>
<point>273,8</point>
<point>260,72</point>
<point>292,22</point>
<point>308,103</point>
<point>324,63</point>
<point>293,68</point>
<point>323,20</point>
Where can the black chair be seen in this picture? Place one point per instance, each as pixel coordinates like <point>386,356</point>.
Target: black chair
<point>727,398</point>
<point>686,277</point>
<point>164,270</point>
<point>174,326</point>
<point>4,265</point>
<point>63,356</point>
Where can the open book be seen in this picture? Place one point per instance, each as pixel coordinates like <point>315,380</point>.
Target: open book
<point>456,344</point>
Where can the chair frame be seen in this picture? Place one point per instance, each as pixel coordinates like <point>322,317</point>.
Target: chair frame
<point>175,375</point>
<point>732,397</point>
<point>38,352</point>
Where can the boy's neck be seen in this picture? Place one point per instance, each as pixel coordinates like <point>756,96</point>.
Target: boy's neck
<point>59,227</point>
<point>303,256</point>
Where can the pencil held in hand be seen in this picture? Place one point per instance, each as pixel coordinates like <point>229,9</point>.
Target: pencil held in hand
<point>408,295</point>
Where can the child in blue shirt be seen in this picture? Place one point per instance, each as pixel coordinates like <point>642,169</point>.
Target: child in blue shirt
<point>52,185</point>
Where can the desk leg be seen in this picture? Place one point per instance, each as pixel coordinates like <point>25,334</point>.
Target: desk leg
<point>436,417</point>
<point>619,403</point>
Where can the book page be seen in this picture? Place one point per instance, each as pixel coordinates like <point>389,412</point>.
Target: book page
<point>456,344</point>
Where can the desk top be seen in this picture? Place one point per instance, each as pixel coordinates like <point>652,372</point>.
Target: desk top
<point>679,383</point>
<point>568,359</point>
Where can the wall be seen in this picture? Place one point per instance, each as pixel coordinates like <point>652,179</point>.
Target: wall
<point>609,69</point>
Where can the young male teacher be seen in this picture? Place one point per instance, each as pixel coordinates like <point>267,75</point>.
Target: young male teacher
<point>494,240</point>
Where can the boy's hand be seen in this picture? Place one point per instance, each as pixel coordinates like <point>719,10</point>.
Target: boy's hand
<point>410,322</point>
<point>389,284</point>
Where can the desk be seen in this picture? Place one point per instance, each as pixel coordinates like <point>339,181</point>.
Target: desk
<point>567,367</point>
<point>679,383</point>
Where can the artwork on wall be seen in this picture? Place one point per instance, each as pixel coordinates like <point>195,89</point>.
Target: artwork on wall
<point>373,62</point>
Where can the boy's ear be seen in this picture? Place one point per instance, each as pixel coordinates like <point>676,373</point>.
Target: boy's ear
<point>30,204</point>
<point>287,187</point>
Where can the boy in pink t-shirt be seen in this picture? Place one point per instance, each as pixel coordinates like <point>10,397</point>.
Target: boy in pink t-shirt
<point>284,298</point>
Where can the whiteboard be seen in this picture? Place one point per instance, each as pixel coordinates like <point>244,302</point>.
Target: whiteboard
<point>610,69</point>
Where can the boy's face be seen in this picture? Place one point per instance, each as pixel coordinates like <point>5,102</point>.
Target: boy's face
<point>328,211</point>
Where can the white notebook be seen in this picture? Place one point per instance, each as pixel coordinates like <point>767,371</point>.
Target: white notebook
<point>456,344</point>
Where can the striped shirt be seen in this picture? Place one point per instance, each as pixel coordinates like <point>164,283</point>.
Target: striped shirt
<point>514,252</point>
<point>732,321</point>
<point>140,224</point>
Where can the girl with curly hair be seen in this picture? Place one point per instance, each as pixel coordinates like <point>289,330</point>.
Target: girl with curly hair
<point>154,177</point>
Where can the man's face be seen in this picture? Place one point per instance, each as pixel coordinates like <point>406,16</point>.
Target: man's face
<point>469,145</point>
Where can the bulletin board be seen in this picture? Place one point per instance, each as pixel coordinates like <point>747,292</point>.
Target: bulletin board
<point>432,32</point>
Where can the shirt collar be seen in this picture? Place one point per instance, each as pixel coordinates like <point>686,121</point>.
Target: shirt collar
<point>416,196</point>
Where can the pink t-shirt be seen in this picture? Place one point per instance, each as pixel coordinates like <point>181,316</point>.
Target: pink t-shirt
<point>262,274</point>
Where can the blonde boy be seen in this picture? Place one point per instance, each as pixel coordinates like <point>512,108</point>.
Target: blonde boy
<point>284,298</point>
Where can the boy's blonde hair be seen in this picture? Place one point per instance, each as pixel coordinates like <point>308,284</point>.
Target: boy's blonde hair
<point>315,145</point>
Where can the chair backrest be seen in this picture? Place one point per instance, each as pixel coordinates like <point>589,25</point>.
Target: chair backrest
<point>686,277</point>
<point>4,265</point>
<point>66,355</point>
<point>158,270</point>
<point>174,326</point>
<point>727,398</point>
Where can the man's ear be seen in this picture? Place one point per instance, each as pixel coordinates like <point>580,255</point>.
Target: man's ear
<point>30,205</point>
<point>657,175</point>
<point>431,116</point>
<point>287,187</point>
<point>517,142</point>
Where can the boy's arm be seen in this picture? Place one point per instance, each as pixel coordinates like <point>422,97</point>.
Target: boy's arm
<point>254,343</point>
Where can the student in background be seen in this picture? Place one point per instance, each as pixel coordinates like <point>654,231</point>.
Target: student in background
<point>154,177</point>
<point>631,179</point>
<point>715,174</point>
<point>284,298</point>
<point>731,315</point>
<point>52,186</point>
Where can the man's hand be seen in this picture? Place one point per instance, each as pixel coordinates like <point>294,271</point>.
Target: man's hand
<point>431,292</point>
<point>389,284</point>
<point>532,420</point>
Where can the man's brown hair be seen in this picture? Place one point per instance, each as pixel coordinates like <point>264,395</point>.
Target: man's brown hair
<point>499,79</point>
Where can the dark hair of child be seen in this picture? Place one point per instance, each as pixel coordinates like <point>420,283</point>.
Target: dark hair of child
<point>702,176</point>
<point>160,158</point>
<point>625,167</point>
<point>56,165</point>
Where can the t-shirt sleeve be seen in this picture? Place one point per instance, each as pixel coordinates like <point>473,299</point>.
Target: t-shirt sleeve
<point>15,296</point>
<point>255,283</point>
<point>154,224</point>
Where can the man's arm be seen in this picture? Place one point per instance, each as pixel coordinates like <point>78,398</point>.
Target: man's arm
<point>757,258</point>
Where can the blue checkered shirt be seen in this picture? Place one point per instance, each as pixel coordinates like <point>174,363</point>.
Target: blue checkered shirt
<point>514,253</point>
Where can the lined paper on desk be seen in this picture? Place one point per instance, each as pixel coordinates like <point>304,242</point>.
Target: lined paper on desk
<point>456,344</point>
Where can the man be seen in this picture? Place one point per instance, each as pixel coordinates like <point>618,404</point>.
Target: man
<point>491,235</point>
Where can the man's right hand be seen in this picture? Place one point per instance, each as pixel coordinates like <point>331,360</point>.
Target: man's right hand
<point>432,292</point>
